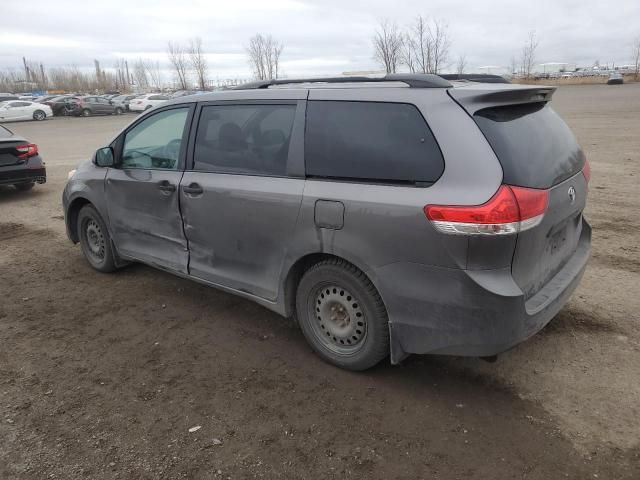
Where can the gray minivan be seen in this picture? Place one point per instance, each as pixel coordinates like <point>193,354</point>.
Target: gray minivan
<point>389,216</point>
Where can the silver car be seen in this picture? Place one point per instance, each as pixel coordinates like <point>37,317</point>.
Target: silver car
<point>388,216</point>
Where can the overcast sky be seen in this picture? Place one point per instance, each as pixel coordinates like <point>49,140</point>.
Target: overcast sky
<point>320,37</point>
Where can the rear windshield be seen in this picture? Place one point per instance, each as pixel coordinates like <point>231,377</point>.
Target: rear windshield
<point>534,145</point>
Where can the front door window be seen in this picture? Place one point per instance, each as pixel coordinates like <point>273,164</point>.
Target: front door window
<point>156,142</point>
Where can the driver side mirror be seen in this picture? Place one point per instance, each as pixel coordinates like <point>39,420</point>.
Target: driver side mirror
<point>104,157</point>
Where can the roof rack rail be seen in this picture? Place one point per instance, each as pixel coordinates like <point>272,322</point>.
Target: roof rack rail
<point>414,80</point>
<point>475,77</point>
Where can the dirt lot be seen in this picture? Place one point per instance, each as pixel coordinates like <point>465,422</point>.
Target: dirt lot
<point>102,376</point>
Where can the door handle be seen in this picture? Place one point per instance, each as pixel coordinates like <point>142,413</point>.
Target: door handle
<point>193,189</point>
<point>165,186</point>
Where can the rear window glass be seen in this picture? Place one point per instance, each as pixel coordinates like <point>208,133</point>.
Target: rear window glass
<point>384,142</point>
<point>535,147</point>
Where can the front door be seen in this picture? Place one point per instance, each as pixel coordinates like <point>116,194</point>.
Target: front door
<point>14,111</point>
<point>142,191</point>
<point>103,106</point>
<point>240,200</point>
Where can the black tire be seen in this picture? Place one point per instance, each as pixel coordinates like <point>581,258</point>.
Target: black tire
<point>119,111</point>
<point>86,112</point>
<point>342,315</point>
<point>95,240</point>
<point>39,115</point>
<point>24,187</point>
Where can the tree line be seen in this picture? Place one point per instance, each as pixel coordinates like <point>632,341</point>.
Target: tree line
<point>422,46</point>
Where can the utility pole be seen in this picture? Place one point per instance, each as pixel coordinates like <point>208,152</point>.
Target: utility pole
<point>26,70</point>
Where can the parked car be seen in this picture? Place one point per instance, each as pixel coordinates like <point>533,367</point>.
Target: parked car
<point>615,79</point>
<point>62,104</point>
<point>8,96</point>
<point>124,100</point>
<point>23,110</point>
<point>181,93</point>
<point>43,98</point>
<point>424,217</point>
<point>92,105</point>
<point>147,101</point>
<point>20,162</point>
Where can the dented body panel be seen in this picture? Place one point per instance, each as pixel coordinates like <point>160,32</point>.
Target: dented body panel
<point>247,234</point>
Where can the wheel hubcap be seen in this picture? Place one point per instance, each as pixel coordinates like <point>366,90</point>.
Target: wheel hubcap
<point>340,321</point>
<point>95,240</point>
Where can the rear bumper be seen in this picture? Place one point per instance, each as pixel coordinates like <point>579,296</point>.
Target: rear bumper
<point>31,171</point>
<point>470,313</point>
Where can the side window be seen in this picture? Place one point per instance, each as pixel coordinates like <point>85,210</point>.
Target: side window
<point>155,142</point>
<point>249,139</point>
<point>385,142</point>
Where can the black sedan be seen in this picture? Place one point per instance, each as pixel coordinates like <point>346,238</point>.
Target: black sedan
<point>20,162</point>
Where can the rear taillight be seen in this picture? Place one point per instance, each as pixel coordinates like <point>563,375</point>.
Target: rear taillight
<point>510,210</point>
<point>586,170</point>
<point>27,151</point>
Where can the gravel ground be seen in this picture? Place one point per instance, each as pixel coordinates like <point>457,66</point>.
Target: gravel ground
<point>103,376</point>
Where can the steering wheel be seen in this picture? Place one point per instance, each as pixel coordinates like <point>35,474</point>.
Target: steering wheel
<point>132,162</point>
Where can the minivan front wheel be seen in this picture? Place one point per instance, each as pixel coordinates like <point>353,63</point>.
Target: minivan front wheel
<point>95,240</point>
<point>342,315</point>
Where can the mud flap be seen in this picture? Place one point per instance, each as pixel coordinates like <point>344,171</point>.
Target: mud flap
<point>397,353</point>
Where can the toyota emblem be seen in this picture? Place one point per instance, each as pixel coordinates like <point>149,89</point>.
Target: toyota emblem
<point>572,194</point>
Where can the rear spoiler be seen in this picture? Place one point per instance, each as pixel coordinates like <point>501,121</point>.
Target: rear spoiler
<point>475,77</point>
<point>480,96</point>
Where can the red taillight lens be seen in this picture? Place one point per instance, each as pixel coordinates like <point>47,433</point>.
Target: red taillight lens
<point>510,210</point>
<point>27,151</point>
<point>586,170</point>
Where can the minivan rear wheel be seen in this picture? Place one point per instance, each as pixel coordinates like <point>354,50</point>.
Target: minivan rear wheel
<point>95,240</point>
<point>342,315</point>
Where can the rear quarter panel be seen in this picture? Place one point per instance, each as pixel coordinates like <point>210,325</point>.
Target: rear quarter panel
<point>385,224</point>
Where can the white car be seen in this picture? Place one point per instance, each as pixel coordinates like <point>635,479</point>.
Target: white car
<point>15,110</point>
<point>146,102</point>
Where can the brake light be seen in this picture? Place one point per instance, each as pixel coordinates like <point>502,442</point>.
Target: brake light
<point>510,210</point>
<point>27,151</point>
<point>586,170</point>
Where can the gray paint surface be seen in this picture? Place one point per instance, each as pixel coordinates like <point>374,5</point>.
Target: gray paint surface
<point>443,293</point>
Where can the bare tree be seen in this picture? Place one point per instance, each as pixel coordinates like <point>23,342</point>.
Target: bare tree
<point>440,44</point>
<point>140,74</point>
<point>153,72</point>
<point>264,56</point>
<point>408,53</point>
<point>417,40</point>
<point>529,54</point>
<point>179,62</point>
<point>513,66</point>
<point>426,44</point>
<point>198,61</point>
<point>636,57</point>
<point>387,45</point>
<point>461,66</point>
